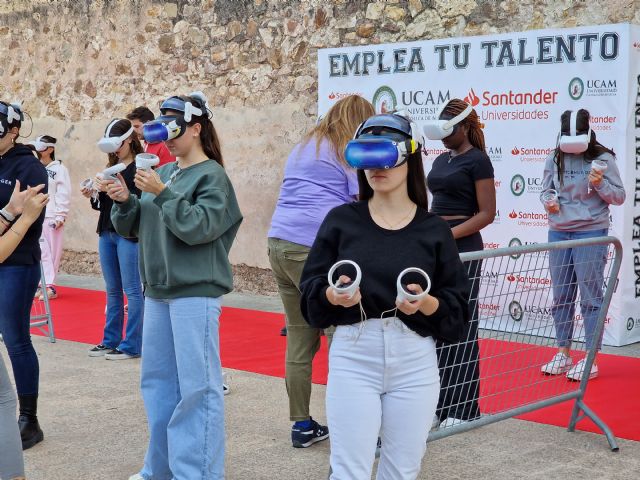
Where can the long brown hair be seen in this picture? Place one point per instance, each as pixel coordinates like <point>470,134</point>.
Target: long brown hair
<point>474,127</point>
<point>340,123</point>
<point>595,148</point>
<point>416,182</point>
<point>121,127</point>
<point>208,135</point>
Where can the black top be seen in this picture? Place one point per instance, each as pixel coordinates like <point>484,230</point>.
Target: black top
<point>19,163</point>
<point>103,204</point>
<point>349,233</point>
<point>453,183</point>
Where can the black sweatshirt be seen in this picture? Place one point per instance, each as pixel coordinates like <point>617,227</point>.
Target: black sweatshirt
<point>104,203</point>
<point>20,163</point>
<point>349,233</point>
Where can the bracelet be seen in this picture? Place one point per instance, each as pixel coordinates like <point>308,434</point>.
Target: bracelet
<point>7,216</point>
<point>16,232</point>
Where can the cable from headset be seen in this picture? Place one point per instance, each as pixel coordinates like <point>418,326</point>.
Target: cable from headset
<point>30,120</point>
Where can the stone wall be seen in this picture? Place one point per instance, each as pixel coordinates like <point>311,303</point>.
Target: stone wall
<point>76,64</point>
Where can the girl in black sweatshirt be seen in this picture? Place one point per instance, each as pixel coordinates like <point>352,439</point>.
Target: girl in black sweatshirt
<point>383,371</point>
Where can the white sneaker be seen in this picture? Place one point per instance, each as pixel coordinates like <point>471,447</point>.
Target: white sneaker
<point>559,364</point>
<point>137,476</point>
<point>576,372</point>
<point>451,422</point>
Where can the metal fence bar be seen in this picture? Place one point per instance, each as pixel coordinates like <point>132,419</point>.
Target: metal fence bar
<point>42,320</point>
<point>511,381</point>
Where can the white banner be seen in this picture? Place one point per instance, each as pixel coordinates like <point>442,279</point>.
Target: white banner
<point>519,83</point>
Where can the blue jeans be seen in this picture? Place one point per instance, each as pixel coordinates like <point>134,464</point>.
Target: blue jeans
<point>574,268</point>
<point>19,284</point>
<point>119,261</point>
<point>181,383</point>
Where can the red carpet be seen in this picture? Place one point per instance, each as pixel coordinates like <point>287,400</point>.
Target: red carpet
<point>250,341</point>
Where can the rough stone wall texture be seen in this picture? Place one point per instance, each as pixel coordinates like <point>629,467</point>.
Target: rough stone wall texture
<point>76,64</point>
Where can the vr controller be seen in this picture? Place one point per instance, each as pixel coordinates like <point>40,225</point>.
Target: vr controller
<point>111,172</point>
<point>403,293</point>
<point>145,161</point>
<point>350,287</point>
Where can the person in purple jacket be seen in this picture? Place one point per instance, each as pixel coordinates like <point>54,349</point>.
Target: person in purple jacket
<point>316,179</point>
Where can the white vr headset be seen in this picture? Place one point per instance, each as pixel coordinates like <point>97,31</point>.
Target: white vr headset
<point>439,129</point>
<point>109,144</point>
<point>573,143</point>
<point>40,145</point>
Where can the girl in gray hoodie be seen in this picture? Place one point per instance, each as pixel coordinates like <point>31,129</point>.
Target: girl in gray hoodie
<point>584,194</point>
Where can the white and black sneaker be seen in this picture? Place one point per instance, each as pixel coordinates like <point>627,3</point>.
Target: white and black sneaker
<point>119,355</point>
<point>99,350</point>
<point>303,436</point>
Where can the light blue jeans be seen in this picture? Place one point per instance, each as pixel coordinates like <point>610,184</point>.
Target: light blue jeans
<point>119,262</point>
<point>574,268</point>
<point>181,383</point>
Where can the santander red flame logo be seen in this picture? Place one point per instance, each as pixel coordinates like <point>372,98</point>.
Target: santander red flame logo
<point>332,95</point>
<point>472,99</point>
<point>515,151</point>
<point>513,214</point>
<point>511,277</point>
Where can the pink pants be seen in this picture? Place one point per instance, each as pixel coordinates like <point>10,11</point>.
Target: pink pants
<point>51,247</point>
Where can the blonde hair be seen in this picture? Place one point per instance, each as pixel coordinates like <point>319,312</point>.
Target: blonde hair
<point>340,123</point>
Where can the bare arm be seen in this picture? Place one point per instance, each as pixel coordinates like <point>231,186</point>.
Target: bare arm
<point>486,196</point>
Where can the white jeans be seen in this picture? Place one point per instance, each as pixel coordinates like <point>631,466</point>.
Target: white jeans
<point>383,376</point>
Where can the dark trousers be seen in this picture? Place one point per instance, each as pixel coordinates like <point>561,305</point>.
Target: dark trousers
<point>459,362</point>
<point>19,284</point>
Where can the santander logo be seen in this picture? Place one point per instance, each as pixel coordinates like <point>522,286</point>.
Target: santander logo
<point>511,277</point>
<point>515,151</point>
<point>332,96</point>
<point>513,214</point>
<point>471,98</point>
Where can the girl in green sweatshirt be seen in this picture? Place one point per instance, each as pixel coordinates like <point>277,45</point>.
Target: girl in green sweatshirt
<point>186,221</point>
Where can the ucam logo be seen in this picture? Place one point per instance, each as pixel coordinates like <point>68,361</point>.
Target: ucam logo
<point>598,87</point>
<point>495,153</point>
<point>517,186</point>
<point>384,100</point>
<point>496,219</point>
<point>516,242</point>
<point>633,323</point>
<point>423,105</point>
<point>516,312</point>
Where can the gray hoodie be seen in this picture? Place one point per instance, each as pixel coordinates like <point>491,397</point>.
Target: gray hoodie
<point>579,210</point>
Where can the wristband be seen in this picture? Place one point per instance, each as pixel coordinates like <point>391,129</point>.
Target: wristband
<point>6,215</point>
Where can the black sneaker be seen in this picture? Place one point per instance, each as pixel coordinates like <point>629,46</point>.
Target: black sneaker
<point>119,355</point>
<point>303,438</point>
<point>99,350</point>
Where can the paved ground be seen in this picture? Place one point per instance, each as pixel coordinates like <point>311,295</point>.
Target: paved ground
<point>95,429</point>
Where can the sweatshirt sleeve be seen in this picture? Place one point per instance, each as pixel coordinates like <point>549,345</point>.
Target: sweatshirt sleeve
<point>63,194</point>
<point>125,217</point>
<point>450,285</point>
<point>611,189</point>
<point>547,176</point>
<point>316,308</point>
<point>197,220</point>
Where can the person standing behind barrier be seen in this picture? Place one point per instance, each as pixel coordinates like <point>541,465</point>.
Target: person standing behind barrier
<point>56,212</point>
<point>462,184</point>
<point>584,194</point>
<point>316,179</point>
<point>118,254</point>
<point>20,272</point>
<point>138,117</point>
<point>186,220</point>
<point>29,205</point>
<point>383,370</point>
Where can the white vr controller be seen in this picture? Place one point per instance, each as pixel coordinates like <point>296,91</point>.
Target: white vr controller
<point>349,288</point>
<point>145,161</point>
<point>111,172</point>
<point>403,294</point>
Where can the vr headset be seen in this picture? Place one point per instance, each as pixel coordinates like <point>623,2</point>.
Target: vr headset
<point>167,127</point>
<point>109,144</point>
<point>574,143</point>
<point>41,145</point>
<point>439,129</point>
<point>9,113</point>
<point>383,141</point>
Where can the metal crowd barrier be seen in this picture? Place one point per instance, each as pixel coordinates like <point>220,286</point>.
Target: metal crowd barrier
<point>41,317</point>
<point>516,336</point>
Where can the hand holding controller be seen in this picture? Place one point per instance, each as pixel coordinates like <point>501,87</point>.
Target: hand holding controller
<point>404,294</point>
<point>345,291</point>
